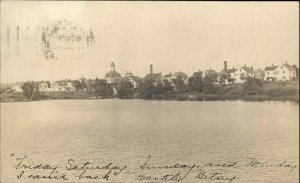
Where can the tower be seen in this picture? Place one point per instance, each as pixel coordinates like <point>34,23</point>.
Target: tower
<point>112,67</point>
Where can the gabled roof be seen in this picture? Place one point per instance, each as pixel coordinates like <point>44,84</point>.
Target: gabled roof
<point>180,74</point>
<point>231,70</point>
<point>168,75</point>
<point>248,70</point>
<point>270,68</point>
<point>290,67</point>
<point>154,76</point>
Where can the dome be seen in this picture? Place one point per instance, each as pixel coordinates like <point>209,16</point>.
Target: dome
<point>112,74</point>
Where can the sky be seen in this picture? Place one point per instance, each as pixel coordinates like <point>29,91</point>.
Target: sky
<point>172,36</point>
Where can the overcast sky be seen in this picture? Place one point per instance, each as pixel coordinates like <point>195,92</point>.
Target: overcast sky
<point>173,36</point>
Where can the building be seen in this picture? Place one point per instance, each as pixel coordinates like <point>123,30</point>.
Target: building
<point>284,72</point>
<point>240,74</point>
<point>132,79</point>
<point>176,75</point>
<point>62,86</point>
<point>17,87</point>
<point>153,76</point>
<point>259,74</point>
<point>113,77</point>
<point>44,86</point>
<point>210,71</point>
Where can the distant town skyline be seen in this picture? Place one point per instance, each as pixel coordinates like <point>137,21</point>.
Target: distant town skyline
<point>172,36</point>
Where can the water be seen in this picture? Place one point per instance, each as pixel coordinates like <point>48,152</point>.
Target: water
<point>127,131</point>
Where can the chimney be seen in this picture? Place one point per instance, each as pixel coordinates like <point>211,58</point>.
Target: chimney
<point>151,70</point>
<point>233,67</point>
<point>285,62</point>
<point>245,65</point>
<point>225,65</point>
<point>272,64</point>
<point>210,68</point>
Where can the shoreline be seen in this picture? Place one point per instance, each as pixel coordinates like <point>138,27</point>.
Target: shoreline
<point>208,98</point>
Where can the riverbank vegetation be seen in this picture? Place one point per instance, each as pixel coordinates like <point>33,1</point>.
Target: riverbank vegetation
<point>197,89</point>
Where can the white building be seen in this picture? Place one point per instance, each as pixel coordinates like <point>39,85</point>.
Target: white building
<point>171,77</point>
<point>17,86</point>
<point>44,87</point>
<point>284,72</point>
<point>239,75</point>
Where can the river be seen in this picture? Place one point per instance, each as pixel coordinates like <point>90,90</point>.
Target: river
<point>127,131</point>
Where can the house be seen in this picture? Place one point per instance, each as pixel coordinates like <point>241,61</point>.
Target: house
<point>259,74</point>
<point>131,78</point>
<point>211,72</point>
<point>226,75</point>
<point>17,87</point>
<point>62,86</point>
<point>156,77</point>
<point>176,75</point>
<point>182,76</point>
<point>284,72</point>
<point>44,86</point>
<point>240,75</point>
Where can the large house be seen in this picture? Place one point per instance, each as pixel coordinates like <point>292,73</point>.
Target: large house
<point>62,86</point>
<point>240,74</point>
<point>176,75</point>
<point>210,71</point>
<point>284,72</point>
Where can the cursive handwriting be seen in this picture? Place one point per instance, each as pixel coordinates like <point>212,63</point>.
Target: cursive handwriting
<point>147,171</point>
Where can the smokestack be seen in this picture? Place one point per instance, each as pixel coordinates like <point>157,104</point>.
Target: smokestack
<point>245,65</point>
<point>225,65</point>
<point>151,70</point>
<point>272,64</point>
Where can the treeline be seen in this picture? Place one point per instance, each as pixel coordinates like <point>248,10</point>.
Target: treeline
<point>196,87</point>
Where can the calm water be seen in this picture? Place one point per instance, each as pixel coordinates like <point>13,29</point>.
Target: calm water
<point>127,131</point>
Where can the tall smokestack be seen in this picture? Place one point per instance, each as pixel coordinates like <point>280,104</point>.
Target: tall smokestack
<point>225,65</point>
<point>151,70</point>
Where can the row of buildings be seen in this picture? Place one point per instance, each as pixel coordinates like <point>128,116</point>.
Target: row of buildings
<point>283,72</point>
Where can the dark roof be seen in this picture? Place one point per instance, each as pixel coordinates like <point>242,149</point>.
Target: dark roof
<point>113,74</point>
<point>230,70</point>
<point>248,69</point>
<point>289,66</point>
<point>180,74</point>
<point>269,68</point>
<point>168,75</point>
<point>154,76</point>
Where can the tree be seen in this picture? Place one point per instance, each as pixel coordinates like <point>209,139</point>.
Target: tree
<point>179,85</point>
<point>101,87</point>
<point>77,85</point>
<point>208,82</point>
<point>28,89</point>
<point>146,88</point>
<point>253,86</point>
<point>125,89</point>
<point>196,82</point>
